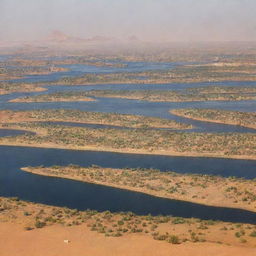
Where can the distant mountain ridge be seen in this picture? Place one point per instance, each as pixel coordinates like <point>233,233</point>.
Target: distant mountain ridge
<point>57,39</point>
<point>60,37</point>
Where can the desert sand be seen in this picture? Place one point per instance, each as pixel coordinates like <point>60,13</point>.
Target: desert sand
<point>49,241</point>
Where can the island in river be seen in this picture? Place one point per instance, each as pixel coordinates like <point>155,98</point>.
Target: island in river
<point>203,189</point>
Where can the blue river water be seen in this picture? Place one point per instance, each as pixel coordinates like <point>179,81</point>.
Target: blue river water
<point>74,194</point>
<point>79,195</point>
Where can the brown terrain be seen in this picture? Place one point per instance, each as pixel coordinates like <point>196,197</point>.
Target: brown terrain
<point>15,241</point>
<point>61,231</point>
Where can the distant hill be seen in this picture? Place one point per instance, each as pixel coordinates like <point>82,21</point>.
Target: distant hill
<point>60,37</point>
<point>58,40</point>
<point>57,36</point>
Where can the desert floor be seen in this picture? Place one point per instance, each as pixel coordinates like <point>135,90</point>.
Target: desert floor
<point>49,241</point>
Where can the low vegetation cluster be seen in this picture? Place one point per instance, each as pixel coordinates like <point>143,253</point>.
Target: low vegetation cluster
<point>174,230</point>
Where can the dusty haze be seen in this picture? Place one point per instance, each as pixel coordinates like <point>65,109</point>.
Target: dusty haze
<point>152,20</point>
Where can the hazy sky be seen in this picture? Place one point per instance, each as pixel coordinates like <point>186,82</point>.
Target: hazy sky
<point>174,20</point>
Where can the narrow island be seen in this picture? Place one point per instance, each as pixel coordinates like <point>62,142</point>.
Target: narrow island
<point>139,141</point>
<point>186,95</point>
<point>244,119</point>
<point>55,97</point>
<point>76,116</point>
<point>11,87</point>
<point>96,62</point>
<point>19,67</point>
<point>203,189</point>
<point>187,73</point>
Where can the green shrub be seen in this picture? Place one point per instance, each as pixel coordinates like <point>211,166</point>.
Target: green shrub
<point>178,220</point>
<point>253,234</point>
<point>40,224</point>
<point>173,239</point>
